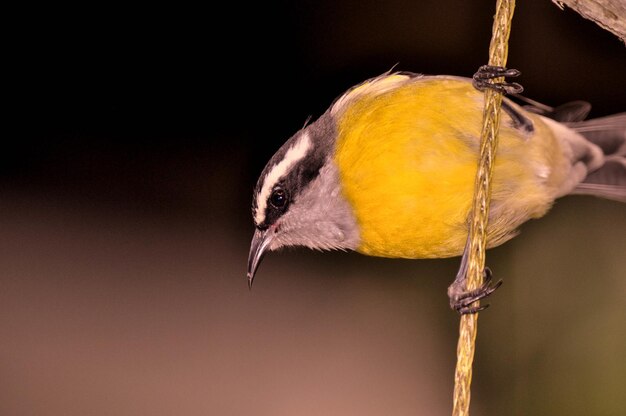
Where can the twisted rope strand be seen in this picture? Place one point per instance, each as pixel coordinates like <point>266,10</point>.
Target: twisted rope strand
<point>498,51</point>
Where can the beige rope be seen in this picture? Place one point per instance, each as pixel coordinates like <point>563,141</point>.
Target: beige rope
<point>498,51</point>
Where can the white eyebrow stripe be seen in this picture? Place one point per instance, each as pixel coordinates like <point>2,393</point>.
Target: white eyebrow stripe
<point>293,155</point>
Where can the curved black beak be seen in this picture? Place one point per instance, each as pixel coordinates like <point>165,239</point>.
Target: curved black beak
<point>258,247</point>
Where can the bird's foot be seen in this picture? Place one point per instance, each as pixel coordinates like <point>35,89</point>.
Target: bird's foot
<point>483,79</point>
<point>461,300</point>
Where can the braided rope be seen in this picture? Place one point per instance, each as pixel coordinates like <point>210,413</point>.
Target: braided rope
<point>498,51</point>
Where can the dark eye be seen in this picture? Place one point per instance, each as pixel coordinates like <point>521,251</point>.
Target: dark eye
<point>278,199</point>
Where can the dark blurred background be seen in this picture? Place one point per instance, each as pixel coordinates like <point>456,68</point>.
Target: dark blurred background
<point>133,138</point>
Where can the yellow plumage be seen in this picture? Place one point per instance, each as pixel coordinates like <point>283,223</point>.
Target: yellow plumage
<point>407,152</point>
<point>389,171</point>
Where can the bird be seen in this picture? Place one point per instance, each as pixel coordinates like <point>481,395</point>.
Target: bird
<point>388,170</point>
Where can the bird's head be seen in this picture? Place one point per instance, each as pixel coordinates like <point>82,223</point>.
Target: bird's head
<point>298,201</point>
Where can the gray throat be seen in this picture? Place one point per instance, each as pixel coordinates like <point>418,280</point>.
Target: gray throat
<point>321,218</point>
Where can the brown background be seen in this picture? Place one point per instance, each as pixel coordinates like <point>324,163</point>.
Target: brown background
<point>132,141</point>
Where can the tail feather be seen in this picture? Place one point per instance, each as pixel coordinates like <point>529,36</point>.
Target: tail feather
<point>607,182</point>
<point>609,134</point>
<point>612,192</point>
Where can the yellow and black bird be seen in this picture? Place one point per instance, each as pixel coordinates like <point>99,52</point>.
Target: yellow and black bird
<point>388,170</point>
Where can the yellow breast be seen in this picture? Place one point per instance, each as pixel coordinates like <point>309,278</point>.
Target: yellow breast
<point>407,158</point>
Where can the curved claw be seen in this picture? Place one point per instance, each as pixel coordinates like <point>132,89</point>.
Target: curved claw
<point>462,300</point>
<point>482,79</point>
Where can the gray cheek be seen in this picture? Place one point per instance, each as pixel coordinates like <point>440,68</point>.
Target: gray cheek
<point>319,217</point>
<point>330,231</point>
